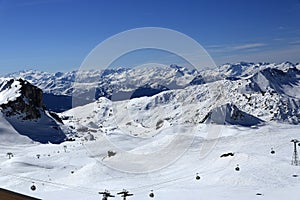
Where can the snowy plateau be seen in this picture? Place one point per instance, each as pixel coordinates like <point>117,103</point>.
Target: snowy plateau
<point>234,123</point>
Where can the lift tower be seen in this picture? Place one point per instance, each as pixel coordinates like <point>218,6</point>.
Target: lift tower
<point>295,158</point>
<point>106,194</point>
<point>124,194</point>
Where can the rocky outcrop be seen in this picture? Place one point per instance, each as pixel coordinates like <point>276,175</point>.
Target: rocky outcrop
<point>230,114</point>
<point>28,105</point>
<point>22,106</point>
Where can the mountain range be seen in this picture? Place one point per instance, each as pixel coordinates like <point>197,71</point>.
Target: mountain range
<point>243,94</point>
<point>242,110</point>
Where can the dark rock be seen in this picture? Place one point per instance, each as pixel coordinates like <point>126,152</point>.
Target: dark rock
<point>227,154</point>
<point>30,103</point>
<point>56,117</point>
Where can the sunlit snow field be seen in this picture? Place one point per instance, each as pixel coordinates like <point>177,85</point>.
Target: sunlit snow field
<point>72,173</point>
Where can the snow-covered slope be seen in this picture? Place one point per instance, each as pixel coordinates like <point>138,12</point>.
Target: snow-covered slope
<point>147,116</point>
<point>8,135</point>
<point>229,113</point>
<point>76,174</point>
<point>22,108</point>
<point>241,99</point>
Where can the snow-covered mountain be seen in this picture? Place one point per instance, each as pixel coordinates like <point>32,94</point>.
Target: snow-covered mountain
<point>120,83</point>
<point>108,81</point>
<point>234,110</point>
<point>121,80</point>
<point>254,88</point>
<point>116,84</point>
<point>247,101</point>
<point>22,108</point>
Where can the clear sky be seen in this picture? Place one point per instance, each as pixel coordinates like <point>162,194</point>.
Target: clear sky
<point>56,35</point>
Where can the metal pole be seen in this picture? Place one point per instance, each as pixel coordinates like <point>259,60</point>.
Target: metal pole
<point>295,160</point>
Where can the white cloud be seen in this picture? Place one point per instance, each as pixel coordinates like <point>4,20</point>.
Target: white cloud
<point>248,46</point>
<point>230,48</point>
<point>296,42</point>
<point>276,55</point>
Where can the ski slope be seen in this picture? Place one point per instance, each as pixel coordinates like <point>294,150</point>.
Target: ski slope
<point>162,141</point>
<point>260,171</point>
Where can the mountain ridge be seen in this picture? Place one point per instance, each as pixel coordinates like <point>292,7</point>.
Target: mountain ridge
<point>266,91</point>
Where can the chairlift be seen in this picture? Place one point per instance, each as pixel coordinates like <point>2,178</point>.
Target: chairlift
<point>151,195</point>
<point>272,151</point>
<point>33,187</point>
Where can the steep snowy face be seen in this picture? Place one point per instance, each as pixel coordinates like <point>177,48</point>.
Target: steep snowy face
<point>280,86</point>
<point>22,106</point>
<point>284,81</point>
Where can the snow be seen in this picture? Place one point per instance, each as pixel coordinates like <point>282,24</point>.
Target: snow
<point>9,91</point>
<point>120,79</point>
<point>44,129</point>
<point>261,172</point>
<point>8,135</point>
<point>162,141</point>
<point>231,114</point>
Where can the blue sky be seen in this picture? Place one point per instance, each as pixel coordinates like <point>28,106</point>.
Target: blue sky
<point>56,35</point>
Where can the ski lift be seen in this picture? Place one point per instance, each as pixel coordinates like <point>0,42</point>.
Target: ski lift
<point>237,168</point>
<point>272,151</point>
<point>151,195</point>
<point>33,187</point>
<point>106,194</point>
<point>197,177</point>
<point>124,194</point>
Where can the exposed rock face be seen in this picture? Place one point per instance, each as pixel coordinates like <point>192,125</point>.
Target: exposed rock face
<point>29,104</point>
<point>230,114</point>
